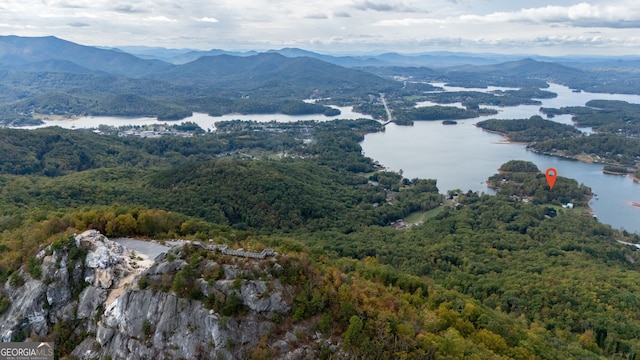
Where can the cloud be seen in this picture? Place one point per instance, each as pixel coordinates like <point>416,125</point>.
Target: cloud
<point>316,16</point>
<point>127,9</point>
<point>610,15</point>
<point>159,19</point>
<point>66,4</point>
<point>341,14</point>
<point>369,5</point>
<point>559,41</point>
<point>613,15</point>
<point>347,25</point>
<point>18,26</point>
<point>79,24</point>
<point>407,22</point>
<point>207,19</point>
<point>384,7</point>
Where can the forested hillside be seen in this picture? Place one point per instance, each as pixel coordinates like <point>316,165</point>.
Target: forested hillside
<point>515,275</point>
<point>49,76</point>
<point>21,53</point>
<point>534,129</point>
<point>481,277</point>
<point>272,76</point>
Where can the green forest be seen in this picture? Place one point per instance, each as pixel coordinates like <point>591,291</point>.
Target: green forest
<point>485,276</point>
<point>604,116</point>
<point>134,105</point>
<point>437,112</point>
<point>239,87</point>
<point>615,149</point>
<point>533,129</point>
<point>402,103</point>
<point>523,96</point>
<point>609,148</point>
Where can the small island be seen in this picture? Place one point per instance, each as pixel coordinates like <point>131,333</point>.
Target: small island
<point>449,122</point>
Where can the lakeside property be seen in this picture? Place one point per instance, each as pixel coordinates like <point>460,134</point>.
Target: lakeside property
<point>467,156</point>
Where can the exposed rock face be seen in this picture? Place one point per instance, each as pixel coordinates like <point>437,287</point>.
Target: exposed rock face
<point>97,293</point>
<point>175,328</point>
<point>69,291</point>
<point>106,260</point>
<point>26,310</point>
<point>143,324</point>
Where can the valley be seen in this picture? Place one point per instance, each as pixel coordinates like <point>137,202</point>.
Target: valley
<point>292,155</point>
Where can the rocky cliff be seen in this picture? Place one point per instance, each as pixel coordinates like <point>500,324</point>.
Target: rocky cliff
<point>96,299</point>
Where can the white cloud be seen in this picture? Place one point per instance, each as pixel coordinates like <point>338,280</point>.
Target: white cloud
<point>385,6</point>
<point>398,25</point>
<point>67,4</point>
<point>18,27</point>
<point>613,15</point>
<point>316,16</point>
<point>408,22</point>
<point>159,18</point>
<point>207,19</point>
<point>72,15</point>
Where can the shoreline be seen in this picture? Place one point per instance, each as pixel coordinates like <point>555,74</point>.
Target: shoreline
<point>49,117</point>
<point>587,207</point>
<point>506,140</point>
<point>608,172</point>
<point>580,157</point>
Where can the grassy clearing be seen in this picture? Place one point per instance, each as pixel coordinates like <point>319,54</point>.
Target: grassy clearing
<point>421,216</point>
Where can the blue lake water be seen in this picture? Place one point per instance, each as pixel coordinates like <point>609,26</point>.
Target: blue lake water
<point>463,156</point>
<point>459,156</point>
<point>203,120</point>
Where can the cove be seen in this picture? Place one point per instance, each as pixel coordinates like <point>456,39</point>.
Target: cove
<point>463,156</point>
<point>205,121</point>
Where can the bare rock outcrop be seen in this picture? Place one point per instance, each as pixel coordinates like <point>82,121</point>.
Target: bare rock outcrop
<point>91,287</point>
<point>76,275</point>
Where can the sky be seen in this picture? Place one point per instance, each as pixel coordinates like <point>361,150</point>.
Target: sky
<point>543,27</point>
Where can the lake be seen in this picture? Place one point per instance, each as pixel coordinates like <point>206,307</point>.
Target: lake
<point>463,156</point>
<point>203,120</point>
<point>459,156</point>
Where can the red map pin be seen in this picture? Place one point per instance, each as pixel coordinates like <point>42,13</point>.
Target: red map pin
<point>551,177</point>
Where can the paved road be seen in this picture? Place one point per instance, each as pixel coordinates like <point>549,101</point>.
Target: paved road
<point>384,102</point>
<point>148,248</point>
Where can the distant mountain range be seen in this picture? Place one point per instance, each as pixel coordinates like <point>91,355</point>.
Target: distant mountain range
<point>215,68</point>
<point>48,75</point>
<point>272,73</point>
<point>440,59</point>
<point>437,59</point>
<point>54,54</point>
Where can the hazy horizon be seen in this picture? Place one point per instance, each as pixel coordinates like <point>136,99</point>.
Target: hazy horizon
<point>541,27</point>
